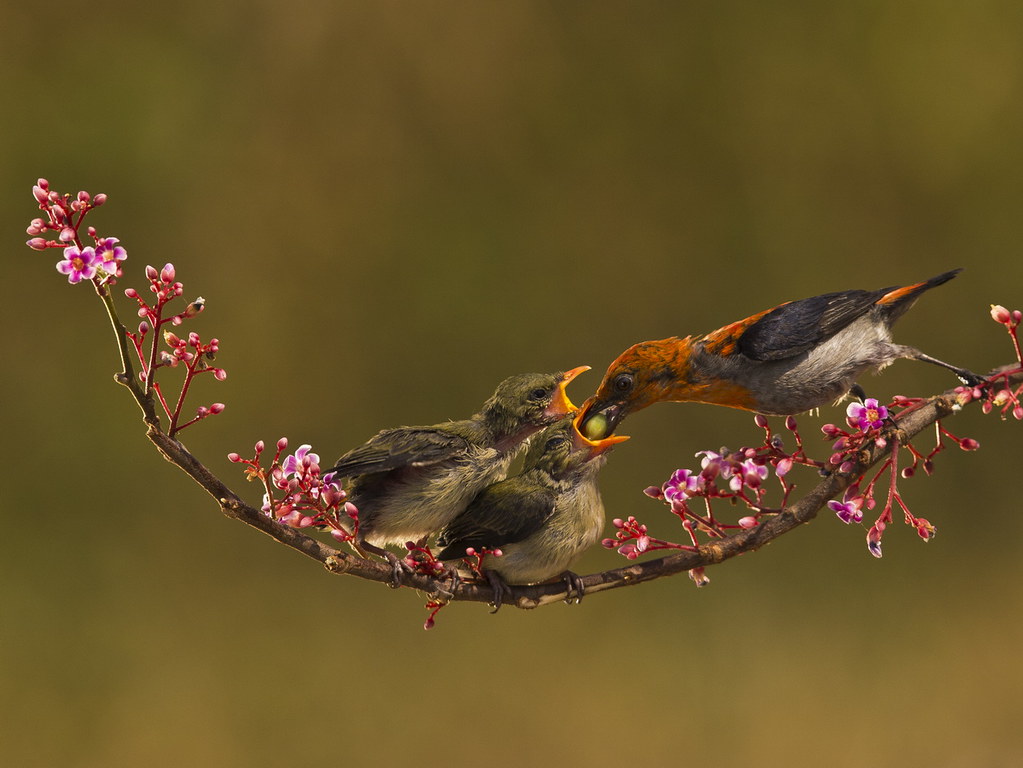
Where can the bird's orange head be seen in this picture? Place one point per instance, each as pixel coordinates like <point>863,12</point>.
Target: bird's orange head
<point>642,375</point>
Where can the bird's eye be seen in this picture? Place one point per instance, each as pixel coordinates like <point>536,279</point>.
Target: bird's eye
<point>623,382</point>
<point>554,443</point>
<point>538,394</point>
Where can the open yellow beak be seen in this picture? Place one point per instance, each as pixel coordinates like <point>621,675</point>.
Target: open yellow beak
<point>596,447</point>
<point>560,404</point>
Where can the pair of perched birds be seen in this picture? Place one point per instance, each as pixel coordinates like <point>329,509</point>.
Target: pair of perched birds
<point>450,479</point>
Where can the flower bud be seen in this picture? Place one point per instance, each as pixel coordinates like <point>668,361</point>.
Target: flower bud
<point>195,307</point>
<point>874,539</point>
<point>167,273</point>
<point>760,420</point>
<point>99,199</point>
<point>1000,314</point>
<point>40,194</point>
<point>699,578</point>
<point>37,243</point>
<point>217,408</point>
<point>151,272</point>
<point>66,235</point>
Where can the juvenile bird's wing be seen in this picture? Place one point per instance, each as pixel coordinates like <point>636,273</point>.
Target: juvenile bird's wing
<point>503,514</point>
<point>798,326</point>
<point>401,447</point>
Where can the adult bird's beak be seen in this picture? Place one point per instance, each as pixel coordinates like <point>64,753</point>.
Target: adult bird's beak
<point>596,421</point>
<point>560,404</point>
<point>595,447</point>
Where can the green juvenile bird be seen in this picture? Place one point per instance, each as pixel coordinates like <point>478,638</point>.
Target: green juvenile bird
<point>410,482</point>
<point>540,520</point>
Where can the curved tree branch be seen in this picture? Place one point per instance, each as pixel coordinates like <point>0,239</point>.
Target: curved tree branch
<point>714,552</point>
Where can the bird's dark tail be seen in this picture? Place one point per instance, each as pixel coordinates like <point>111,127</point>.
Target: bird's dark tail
<point>898,300</point>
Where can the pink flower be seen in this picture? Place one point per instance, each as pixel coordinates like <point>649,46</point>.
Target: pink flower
<point>749,473</point>
<point>110,253</point>
<point>78,264</point>
<point>866,415</point>
<point>848,511</point>
<point>301,461</point>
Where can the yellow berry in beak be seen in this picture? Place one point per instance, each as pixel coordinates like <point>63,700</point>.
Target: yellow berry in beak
<point>595,427</point>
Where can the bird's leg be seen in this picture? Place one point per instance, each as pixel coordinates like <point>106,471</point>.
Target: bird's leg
<point>500,587</point>
<point>398,564</point>
<point>967,377</point>
<point>574,583</point>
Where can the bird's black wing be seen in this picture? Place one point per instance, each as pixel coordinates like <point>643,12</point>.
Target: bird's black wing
<point>401,447</point>
<point>503,514</point>
<point>798,326</point>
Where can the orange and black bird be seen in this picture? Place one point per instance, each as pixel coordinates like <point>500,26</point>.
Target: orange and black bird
<point>782,361</point>
<point>410,482</point>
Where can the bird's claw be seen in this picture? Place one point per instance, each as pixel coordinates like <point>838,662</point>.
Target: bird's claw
<point>574,583</point>
<point>500,587</point>
<point>969,378</point>
<point>450,573</point>
<point>399,568</point>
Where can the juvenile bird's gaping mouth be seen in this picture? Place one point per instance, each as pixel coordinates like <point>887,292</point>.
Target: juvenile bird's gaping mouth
<point>560,404</point>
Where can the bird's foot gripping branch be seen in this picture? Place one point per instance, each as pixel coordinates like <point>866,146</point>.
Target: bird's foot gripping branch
<point>867,457</point>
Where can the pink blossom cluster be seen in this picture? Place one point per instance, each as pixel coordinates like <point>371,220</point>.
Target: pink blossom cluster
<point>190,352</point>
<point>297,495</point>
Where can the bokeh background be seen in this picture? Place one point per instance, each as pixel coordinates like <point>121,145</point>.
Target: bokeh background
<point>392,206</point>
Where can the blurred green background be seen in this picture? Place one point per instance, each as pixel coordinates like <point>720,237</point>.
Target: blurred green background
<point>390,207</point>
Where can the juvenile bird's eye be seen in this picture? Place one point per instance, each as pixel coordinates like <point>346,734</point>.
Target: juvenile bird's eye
<point>553,443</point>
<point>538,394</point>
<point>623,382</point>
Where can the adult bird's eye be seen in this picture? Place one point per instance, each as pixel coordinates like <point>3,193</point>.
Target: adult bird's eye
<point>623,382</point>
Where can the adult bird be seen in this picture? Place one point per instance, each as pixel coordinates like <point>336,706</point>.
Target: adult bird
<point>542,519</point>
<point>410,482</point>
<point>782,361</point>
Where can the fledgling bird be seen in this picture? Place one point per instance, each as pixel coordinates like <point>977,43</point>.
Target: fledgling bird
<point>541,519</point>
<point>410,482</point>
<point>782,361</point>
